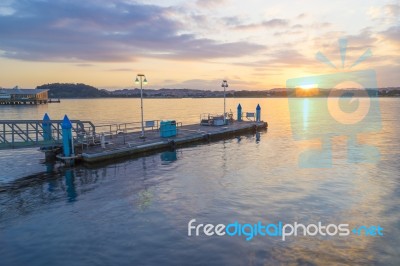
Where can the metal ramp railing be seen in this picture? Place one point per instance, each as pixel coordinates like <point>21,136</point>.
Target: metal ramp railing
<point>30,133</point>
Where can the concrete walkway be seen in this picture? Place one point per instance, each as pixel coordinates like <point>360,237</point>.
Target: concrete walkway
<point>126,144</point>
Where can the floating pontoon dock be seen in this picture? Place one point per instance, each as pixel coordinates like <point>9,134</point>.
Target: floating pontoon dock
<point>121,145</point>
<point>82,140</point>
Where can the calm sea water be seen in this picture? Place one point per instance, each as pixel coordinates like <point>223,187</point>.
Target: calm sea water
<point>136,211</point>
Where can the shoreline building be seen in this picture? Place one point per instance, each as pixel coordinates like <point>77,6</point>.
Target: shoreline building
<point>19,96</point>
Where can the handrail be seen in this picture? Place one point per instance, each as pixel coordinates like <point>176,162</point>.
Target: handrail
<point>111,128</point>
<point>15,133</point>
<point>125,127</point>
<point>23,133</point>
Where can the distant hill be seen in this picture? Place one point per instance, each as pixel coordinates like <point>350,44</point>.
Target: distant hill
<point>79,90</point>
<point>72,90</point>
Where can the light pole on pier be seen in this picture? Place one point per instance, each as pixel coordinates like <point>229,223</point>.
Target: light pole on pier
<point>141,78</point>
<point>224,85</point>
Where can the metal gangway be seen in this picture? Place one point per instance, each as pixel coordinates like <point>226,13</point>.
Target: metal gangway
<point>30,133</point>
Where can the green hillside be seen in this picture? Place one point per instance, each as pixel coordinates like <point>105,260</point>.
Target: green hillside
<point>71,90</point>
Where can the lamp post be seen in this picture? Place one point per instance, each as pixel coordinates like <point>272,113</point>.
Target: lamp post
<point>141,78</point>
<point>224,85</point>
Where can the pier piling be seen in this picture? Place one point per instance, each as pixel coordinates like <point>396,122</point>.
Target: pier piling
<point>66,126</point>
<point>47,136</point>
<point>239,113</point>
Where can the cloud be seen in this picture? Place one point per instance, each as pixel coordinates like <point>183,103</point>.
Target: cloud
<point>121,70</point>
<point>301,16</point>
<point>373,12</point>
<point>388,75</point>
<point>288,33</point>
<point>105,31</point>
<point>5,9</point>
<point>207,49</point>
<point>170,80</point>
<point>386,14</point>
<point>383,45</point>
<point>290,57</point>
<point>210,3</point>
<point>364,39</point>
<point>280,58</point>
<point>231,21</point>
<point>392,10</point>
<point>84,65</point>
<point>273,23</point>
<point>392,34</point>
<point>214,84</point>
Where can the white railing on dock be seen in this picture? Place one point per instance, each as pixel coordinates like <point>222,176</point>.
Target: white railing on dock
<point>129,127</point>
<point>110,131</point>
<point>25,133</point>
<point>22,133</point>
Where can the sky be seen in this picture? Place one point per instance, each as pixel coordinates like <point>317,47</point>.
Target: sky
<point>254,44</point>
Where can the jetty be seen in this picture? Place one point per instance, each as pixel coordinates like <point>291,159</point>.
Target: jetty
<point>17,96</point>
<point>74,140</point>
<point>53,101</point>
<point>122,145</point>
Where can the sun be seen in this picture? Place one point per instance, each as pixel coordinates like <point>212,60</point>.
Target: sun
<point>308,86</point>
<point>307,90</point>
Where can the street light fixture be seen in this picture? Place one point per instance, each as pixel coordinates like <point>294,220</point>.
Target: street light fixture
<point>141,78</point>
<point>224,85</point>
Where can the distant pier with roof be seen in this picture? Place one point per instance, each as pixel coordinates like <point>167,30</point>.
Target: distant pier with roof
<point>19,96</point>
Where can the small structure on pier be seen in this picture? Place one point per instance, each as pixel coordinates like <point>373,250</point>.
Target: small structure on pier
<point>19,96</point>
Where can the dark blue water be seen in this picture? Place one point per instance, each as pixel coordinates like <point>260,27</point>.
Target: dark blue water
<point>136,211</point>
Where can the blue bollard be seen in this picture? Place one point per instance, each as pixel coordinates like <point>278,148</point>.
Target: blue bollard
<point>258,113</point>
<point>46,124</point>
<point>239,113</point>
<point>67,137</point>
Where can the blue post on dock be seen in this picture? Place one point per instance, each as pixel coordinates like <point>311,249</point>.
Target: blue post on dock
<point>68,147</point>
<point>258,113</point>
<point>46,124</point>
<point>239,113</point>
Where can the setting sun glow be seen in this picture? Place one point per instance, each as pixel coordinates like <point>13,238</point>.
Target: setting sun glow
<point>194,44</point>
<point>307,90</point>
<point>309,86</point>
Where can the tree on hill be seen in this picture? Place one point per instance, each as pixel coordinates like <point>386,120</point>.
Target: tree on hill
<point>72,90</point>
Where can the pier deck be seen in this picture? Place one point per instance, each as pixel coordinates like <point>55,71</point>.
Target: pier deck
<point>121,145</point>
<point>23,101</point>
